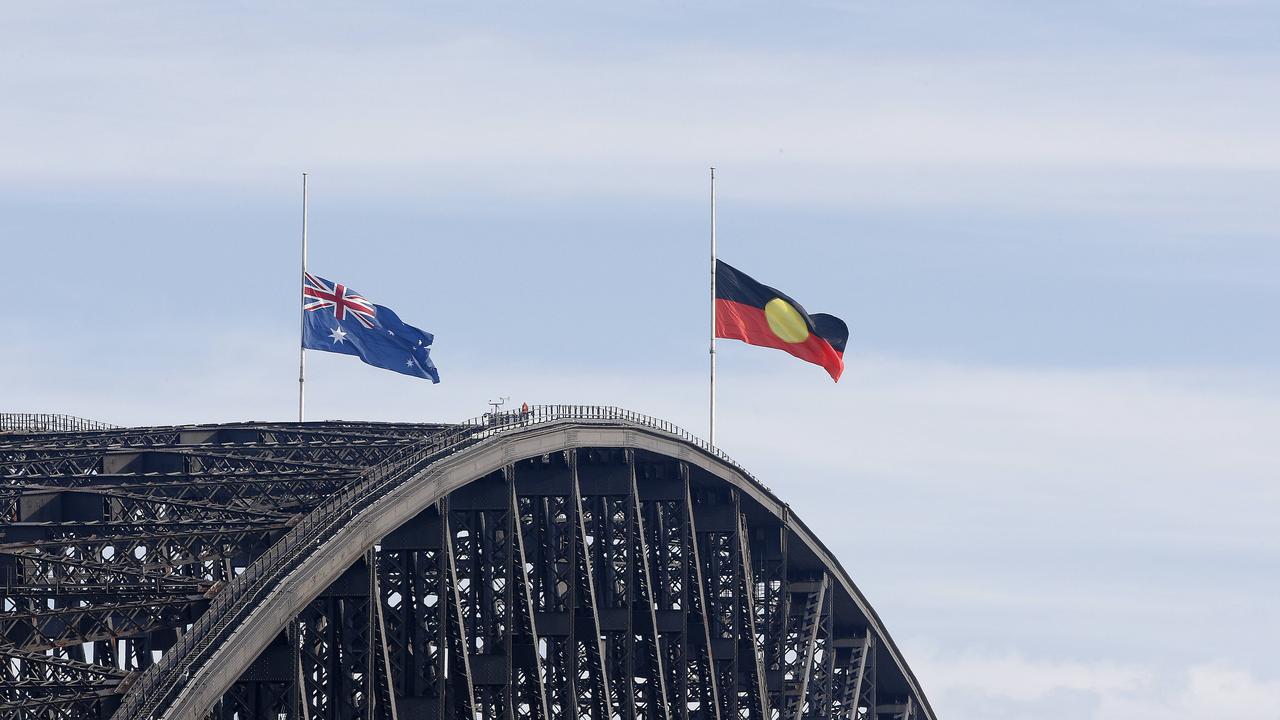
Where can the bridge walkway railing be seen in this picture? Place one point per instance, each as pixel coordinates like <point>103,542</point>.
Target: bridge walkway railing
<point>48,422</point>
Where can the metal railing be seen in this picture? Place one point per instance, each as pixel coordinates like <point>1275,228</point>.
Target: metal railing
<point>49,422</point>
<point>160,683</point>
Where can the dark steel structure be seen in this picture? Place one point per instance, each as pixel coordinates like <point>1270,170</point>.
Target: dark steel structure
<point>48,422</point>
<point>568,562</point>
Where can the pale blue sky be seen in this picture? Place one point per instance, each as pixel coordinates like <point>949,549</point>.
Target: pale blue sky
<point>1052,228</point>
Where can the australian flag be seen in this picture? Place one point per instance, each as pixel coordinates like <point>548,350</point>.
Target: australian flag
<point>335,318</point>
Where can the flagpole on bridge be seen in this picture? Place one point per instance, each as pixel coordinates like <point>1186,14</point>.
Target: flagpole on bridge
<point>711,425</point>
<point>302,350</point>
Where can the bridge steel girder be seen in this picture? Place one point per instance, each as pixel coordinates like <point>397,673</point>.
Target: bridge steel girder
<point>112,541</point>
<point>589,567</point>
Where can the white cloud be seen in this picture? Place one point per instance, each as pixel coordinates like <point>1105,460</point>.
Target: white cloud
<point>1096,442</point>
<point>1219,690</point>
<point>1111,131</point>
<point>977,685</point>
<point>1011,676</point>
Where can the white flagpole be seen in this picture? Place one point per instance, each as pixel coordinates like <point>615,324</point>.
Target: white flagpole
<point>712,424</point>
<point>302,351</point>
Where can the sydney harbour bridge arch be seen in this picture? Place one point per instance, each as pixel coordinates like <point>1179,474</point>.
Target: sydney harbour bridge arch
<point>569,562</point>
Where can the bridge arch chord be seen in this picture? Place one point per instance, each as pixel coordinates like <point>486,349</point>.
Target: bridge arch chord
<point>589,567</point>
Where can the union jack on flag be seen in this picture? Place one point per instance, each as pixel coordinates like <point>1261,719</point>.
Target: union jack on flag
<point>320,294</point>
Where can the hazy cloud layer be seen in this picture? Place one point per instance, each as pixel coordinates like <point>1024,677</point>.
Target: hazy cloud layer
<point>1010,686</point>
<point>483,104</point>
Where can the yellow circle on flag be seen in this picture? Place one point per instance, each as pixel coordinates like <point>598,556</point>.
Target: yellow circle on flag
<point>785,321</point>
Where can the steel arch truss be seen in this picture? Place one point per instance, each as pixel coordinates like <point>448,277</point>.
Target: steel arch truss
<point>111,541</point>
<point>598,583</point>
<point>590,583</point>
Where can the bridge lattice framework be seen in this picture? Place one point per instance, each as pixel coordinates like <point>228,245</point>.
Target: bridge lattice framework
<point>588,582</point>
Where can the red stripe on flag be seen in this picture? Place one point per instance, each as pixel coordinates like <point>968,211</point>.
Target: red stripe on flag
<point>736,321</point>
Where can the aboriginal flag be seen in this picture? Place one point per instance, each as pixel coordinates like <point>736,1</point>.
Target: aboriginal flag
<point>759,315</point>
